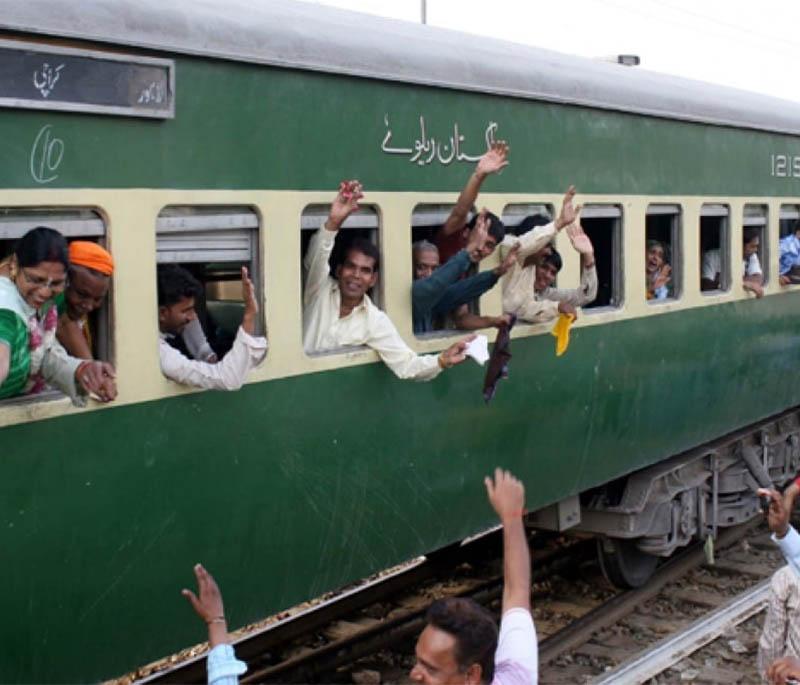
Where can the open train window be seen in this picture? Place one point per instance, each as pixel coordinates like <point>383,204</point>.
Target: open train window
<point>426,222</point>
<point>662,258</point>
<point>754,237</point>
<point>715,270</point>
<point>73,224</point>
<point>213,243</point>
<point>364,224</point>
<point>789,246</point>
<point>603,225</point>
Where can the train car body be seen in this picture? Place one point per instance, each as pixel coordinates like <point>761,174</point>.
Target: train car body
<point>324,469</point>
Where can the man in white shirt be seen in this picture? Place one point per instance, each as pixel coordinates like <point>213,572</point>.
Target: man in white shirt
<point>460,645</point>
<point>177,292</point>
<point>753,276</point>
<point>337,312</point>
<point>782,626</point>
<point>527,286</point>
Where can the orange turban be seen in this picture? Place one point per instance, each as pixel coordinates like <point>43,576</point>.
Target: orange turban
<point>92,256</point>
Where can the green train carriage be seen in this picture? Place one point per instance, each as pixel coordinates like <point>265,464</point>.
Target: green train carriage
<point>224,134</point>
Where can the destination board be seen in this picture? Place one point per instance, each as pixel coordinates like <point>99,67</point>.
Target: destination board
<point>55,78</point>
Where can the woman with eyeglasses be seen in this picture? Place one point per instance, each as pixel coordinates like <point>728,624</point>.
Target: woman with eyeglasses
<point>30,356</point>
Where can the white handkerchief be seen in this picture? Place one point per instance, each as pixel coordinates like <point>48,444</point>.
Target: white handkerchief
<point>478,349</point>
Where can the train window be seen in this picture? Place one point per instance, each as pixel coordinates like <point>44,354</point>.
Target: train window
<point>789,246</point>
<point>365,224</point>
<point>754,237</point>
<point>663,252</point>
<point>73,224</point>
<point>715,250</point>
<point>426,221</point>
<point>603,225</point>
<point>213,243</point>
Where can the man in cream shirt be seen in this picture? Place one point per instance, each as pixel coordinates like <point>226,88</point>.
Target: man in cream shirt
<point>337,312</point>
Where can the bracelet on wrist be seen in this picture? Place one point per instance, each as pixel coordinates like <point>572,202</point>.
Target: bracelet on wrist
<point>216,619</point>
<point>442,364</point>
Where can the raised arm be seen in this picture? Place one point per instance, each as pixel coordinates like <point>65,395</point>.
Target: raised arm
<point>507,496</point>
<point>250,303</point>
<point>493,161</point>
<point>223,666</point>
<point>321,245</point>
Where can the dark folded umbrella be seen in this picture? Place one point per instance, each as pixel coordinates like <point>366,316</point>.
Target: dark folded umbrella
<point>498,362</point>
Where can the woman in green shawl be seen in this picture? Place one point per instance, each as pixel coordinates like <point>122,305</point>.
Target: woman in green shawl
<point>30,356</point>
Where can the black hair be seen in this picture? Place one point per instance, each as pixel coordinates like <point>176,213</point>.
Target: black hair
<point>553,258</point>
<point>749,234</point>
<point>496,228</point>
<point>796,228</point>
<point>367,248</point>
<point>41,244</point>
<point>473,628</point>
<point>530,222</point>
<point>176,283</point>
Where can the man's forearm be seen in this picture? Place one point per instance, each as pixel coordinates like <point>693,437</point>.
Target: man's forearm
<point>458,216</point>
<point>516,565</point>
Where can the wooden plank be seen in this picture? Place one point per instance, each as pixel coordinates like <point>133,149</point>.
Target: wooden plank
<point>735,568</point>
<point>654,623</point>
<point>613,654</point>
<point>698,597</point>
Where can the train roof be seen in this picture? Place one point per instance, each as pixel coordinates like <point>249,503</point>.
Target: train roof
<point>301,35</point>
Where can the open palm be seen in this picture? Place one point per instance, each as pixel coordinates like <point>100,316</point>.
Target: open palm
<point>580,241</point>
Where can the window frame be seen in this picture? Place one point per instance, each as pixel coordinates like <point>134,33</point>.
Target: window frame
<point>764,246</point>
<point>722,211</point>
<point>616,212</point>
<point>676,246</point>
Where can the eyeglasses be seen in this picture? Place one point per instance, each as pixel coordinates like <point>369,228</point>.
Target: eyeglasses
<point>38,282</point>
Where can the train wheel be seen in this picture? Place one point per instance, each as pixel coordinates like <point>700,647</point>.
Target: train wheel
<point>625,565</point>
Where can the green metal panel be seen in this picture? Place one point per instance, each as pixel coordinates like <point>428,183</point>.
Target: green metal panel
<point>292,487</point>
<point>242,126</point>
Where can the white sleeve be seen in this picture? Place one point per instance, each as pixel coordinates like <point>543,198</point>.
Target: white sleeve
<point>229,374</point>
<point>399,357</point>
<point>753,267</point>
<point>58,369</point>
<point>516,661</point>
<point>530,242</point>
<point>790,547</point>
<point>316,264</point>
<point>711,266</point>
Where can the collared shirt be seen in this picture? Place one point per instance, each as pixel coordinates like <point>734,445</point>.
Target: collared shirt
<point>519,293</point>
<point>781,634</point>
<point>789,253</point>
<point>223,666</point>
<point>229,374</point>
<point>516,661</point>
<point>444,290</point>
<point>712,265</point>
<point>324,329</point>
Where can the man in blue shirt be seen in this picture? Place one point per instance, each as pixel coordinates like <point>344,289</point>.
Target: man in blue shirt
<point>789,259</point>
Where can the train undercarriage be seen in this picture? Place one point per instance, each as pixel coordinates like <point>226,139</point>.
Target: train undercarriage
<point>646,515</point>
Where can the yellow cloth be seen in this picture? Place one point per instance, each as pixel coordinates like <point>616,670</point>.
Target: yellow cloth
<point>561,332</point>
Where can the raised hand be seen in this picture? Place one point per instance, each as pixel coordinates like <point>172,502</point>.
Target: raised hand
<point>345,203</point>
<point>456,353</point>
<point>208,605</point>
<point>97,378</point>
<point>778,513</point>
<point>495,159</point>
<point>506,494</point>
<point>663,277</point>
<point>250,303</point>
<point>477,237</point>
<point>568,212</point>
<point>508,261</point>
<point>580,241</point>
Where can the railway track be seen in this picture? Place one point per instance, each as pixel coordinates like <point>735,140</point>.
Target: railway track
<point>587,629</point>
